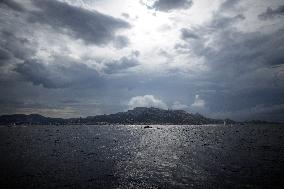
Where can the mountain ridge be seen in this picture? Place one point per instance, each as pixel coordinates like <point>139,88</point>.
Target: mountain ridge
<point>136,116</point>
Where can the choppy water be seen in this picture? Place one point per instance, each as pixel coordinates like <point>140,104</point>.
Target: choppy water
<point>212,156</point>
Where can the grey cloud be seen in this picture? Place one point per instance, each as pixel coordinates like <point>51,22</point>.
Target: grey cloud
<point>58,75</point>
<point>125,15</point>
<point>12,4</point>
<point>243,55</point>
<point>188,34</point>
<point>13,50</point>
<point>56,80</point>
<point>244,77</point>
<point>165,54</point>
<point>91,26</point>
<point>169,5</point>
<point>244,67</point>
<point>136,53</point>
<point>17,46</point>
<point>228,4</point>
<point>120,42</point>
<point>120,65</point>
<point>179,106</point>
<point>222,22</point>
<point>272,13</point>
<point>4,55</point>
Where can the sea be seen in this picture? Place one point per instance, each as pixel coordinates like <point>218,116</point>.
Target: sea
<point>136,156</point>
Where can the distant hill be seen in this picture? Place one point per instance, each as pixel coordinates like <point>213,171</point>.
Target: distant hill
<point>142,115</point>
<point>30,119</point>
<point>139,115</point>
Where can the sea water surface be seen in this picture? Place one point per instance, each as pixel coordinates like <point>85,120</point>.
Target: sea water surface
<point>124,156</point>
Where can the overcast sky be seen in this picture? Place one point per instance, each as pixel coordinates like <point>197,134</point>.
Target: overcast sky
<point>71,58</point>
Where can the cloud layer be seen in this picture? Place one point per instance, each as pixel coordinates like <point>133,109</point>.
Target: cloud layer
<point>169,5</point>
<point>91,26</point>
<point>78,58</point>
<point>272,13</point>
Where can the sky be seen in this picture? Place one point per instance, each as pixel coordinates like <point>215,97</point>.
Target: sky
<point>72,58</point>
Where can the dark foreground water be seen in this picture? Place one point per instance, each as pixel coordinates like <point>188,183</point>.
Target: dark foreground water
<point>133,157</point>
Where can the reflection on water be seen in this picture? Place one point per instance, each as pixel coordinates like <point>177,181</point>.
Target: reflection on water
<point>194,157</point>
<point>155,157</point>
<point>164,156</point>
<point>213,156</point>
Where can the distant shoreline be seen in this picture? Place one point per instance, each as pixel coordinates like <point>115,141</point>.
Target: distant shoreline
<point>137,116</point>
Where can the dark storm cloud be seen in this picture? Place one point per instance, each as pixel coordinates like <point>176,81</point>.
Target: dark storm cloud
<point>12,4</point>
<point>58,75</point>
<point>272,13</point>
<point>91,26</point>
<point>169,5</point>
<point>188,34</point>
